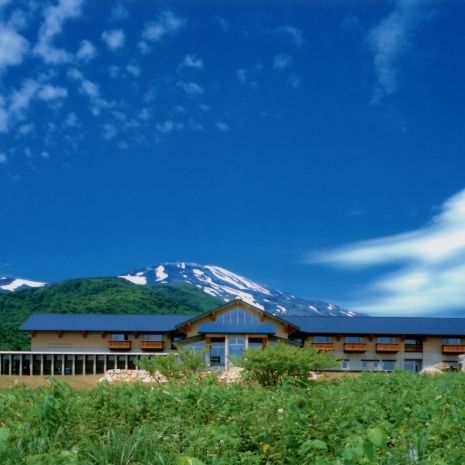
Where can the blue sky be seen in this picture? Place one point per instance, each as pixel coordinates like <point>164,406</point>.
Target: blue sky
<point>317,147</point>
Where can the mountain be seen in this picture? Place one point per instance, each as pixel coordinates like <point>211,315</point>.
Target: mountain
<point>226,285</point>
<point>14,284</point>
<point>95,295</point>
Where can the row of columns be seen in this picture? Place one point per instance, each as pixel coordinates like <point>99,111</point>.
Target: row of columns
<point>30,364</point>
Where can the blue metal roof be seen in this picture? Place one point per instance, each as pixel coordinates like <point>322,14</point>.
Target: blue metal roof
<point>380,325</point>
<point>100,322</point>
<point>227,328</point>
<point>306,324</point>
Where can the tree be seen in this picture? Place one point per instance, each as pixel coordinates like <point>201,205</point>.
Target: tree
<point>279,361</point>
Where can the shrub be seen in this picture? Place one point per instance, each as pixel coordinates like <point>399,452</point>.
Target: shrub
<point>175,365</point>
<point>276,362</point>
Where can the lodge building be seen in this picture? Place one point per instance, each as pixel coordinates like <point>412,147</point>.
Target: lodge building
<point>73,344</point>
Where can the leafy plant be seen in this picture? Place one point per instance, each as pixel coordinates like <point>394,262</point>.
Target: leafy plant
<point>277,362</point>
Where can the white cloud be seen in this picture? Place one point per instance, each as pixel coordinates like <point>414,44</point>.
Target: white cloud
<point>168,126</point>
<point>282,61</point>
<point>431,259</point>
<point>49,92</point>
<point>242,75</point>
<point>13,47</point>
<point>119,12</point>
<point>223,127</point>
<point>26,129</point>
<point>294,34</point>
<point>55,17</point>
<point>44,155</point>
<point>108,131</point>
<point>388,40</point>
<point>22,98</point>
<point>114,39</point>
<point>294,82</point>
<point>133,69</point>
<point>190,88</point>
<point>89,88</point>
<point>191,61</point>
<point>3,158</point>
<point>167,24</point>
<point>3,116</point>
<point>71,120</point>
<point>86,51</point>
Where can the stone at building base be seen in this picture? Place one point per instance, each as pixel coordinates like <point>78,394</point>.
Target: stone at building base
<point>132,376</point>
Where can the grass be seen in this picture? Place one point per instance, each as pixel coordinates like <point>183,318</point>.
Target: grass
<point>31,382</point>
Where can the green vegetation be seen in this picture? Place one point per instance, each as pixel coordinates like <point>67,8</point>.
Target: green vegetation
<point>97,295</point>
<point>175,366</point>
<point>374,419</point>
<point>281,361</point>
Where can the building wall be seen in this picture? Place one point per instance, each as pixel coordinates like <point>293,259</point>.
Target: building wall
<point>91,342</point>
<point>431,354</point>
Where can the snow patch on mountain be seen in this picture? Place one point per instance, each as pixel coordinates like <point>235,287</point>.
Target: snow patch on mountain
<point>14,284</point>
<point>226,285</point>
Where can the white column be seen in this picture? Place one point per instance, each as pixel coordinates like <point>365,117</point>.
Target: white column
<point>41,364</point>
<point>10,367</point>
<point>226,352</point>
<point>73,369</point>
<point>95,365</point>
<point>53,365</point>
<point>20,371</point>
<point>63,365</point>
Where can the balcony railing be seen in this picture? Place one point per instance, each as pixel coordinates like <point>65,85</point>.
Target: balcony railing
<point>352,347</point>
<point>392,348</point>
<point>453,349</point>
<point>151,345</point>
<point>119,345</point>
<point>327,346</point>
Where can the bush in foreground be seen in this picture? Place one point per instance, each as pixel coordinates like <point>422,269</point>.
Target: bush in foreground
<point>279,361</point>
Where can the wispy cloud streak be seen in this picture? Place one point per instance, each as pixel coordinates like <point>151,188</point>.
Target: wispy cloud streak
<point>388,40</point>
<point>431,277</point>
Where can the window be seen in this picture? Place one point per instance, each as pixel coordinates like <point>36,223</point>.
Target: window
<point>452,341</point>
<point>412,365</point>
<point>354,339</point>
<point>322,339</point>
<point>153,337</point>
<point>236,346</point>
<point>345,364</point>
<point>386,340</point>
<point>198,346</point>
<point>238,317</point>
<point>119,337</point>
<point>413,344</point>
<point>371,365</point>
<point>389,365</point>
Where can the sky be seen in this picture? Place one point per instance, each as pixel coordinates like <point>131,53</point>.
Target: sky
<point>316,147</point>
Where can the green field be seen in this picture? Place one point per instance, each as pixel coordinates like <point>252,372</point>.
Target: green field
<point>375,418</point>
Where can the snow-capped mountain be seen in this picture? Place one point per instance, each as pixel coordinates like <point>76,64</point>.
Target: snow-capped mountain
<point>228,286</point>
<point>14,284</point>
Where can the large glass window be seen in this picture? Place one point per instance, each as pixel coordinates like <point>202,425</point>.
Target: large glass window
<point>255,343</point>
<point>322,339</point>
<point>217,351</point>
<point>238,317</point>
<point>345,364</point>
<point>236,346</point>
<point>371,365</point>
<point>452,341</point>
<point>389,365</point>
<point>413,344</point>
<point>412,365</point>
<point>119,337</point>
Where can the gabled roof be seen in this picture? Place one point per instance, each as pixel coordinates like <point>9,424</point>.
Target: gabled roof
<point>102,322</point>
<point>238,303</point>
<point>380,325</point>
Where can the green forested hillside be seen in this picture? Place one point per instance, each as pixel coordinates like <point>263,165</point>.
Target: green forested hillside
<point>95,295</point>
